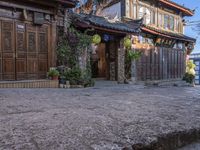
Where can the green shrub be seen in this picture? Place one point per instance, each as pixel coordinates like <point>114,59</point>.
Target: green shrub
<point>76,76</point>
<point>73,75</point>
<point>53,72</point>
<point>188,77</point>
<point>190,72</point>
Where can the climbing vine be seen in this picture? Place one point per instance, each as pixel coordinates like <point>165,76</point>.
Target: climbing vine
<point>130,56</point>
<point>72,46</point>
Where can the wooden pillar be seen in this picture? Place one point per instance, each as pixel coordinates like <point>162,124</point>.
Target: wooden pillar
<point>121,63</point>
<point>53,43</point>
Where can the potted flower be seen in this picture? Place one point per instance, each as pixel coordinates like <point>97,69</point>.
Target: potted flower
<point>53,74</point>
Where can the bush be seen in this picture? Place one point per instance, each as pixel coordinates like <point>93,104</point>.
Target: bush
<point>53,72</point>
<point>190,72</point>
<point>73,75</point>
<point>87,81</point>
<point>77,77</point>
<point>188,77</point>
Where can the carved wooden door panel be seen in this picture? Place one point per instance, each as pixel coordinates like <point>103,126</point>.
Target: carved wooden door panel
<point>32,52</point>
<point>42,35</point>
<point>8,50</point>
<point>21,52</point>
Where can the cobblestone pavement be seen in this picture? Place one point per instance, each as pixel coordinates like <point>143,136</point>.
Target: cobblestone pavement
<point>195,146</point>
<point>97,118</point>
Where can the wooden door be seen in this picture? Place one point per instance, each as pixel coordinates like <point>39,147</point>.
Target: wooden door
<point>8,50</point>
<point>32,52</point>
<point>42,51</point>
<point>102,65</point>
<point>21,52</point>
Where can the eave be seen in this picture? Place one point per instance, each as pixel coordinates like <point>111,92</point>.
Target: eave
<point>167,34</point>
<point>102,24</point>
<point>68,3</point>
<point>186,11</point>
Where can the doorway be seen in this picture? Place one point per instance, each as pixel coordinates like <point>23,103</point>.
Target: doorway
<point>23,50</point>
<point>99,62</point>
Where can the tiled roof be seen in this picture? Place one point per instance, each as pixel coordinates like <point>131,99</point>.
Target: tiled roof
<point>168,34</point>
<point>105,23</point>
<point>71,3</point>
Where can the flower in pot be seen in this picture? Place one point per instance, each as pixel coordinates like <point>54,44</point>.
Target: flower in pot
<point>53,74</point>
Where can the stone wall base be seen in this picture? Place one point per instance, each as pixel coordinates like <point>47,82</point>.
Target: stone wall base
<point>30,84</point>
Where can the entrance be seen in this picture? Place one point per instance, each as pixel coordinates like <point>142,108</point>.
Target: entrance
<point>23,51</point>
<point>99,62</point>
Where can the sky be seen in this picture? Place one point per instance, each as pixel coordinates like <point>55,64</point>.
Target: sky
<point>189,30</point>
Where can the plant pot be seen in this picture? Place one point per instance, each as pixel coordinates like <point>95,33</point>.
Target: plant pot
<point>54,78</point>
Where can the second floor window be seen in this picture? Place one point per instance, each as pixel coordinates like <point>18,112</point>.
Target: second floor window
<point>147,14</point>
<point>133,9</point>
<point>169,22</point>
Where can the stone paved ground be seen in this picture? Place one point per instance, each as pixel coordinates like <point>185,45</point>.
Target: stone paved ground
<point>98,118</point>
<point>195,146</point>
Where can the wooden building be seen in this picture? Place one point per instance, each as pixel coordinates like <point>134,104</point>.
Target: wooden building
<point>108,58</point>
<point>28,30</point>
<point>162,38</point>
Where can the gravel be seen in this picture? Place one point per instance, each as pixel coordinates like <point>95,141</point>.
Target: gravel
<point>99,118</point>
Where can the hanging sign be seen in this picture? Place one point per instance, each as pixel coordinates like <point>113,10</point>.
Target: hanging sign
<point>38,18</point>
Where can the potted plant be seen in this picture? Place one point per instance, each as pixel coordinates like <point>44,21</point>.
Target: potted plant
<point>53,74</point>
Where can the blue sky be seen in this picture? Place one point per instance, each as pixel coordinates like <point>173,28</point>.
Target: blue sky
<point>192,4</point>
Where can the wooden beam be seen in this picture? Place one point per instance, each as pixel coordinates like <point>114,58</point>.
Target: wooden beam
<point>110,30</point>
<point>188,12</point>
<point>12,5</point>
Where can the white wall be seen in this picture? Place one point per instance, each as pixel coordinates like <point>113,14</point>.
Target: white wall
<point>112,11</point>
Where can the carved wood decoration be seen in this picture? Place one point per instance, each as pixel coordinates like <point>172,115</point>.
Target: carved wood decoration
<point>38,18</point>
<point>24,51</point>
<point>27,39</point>
<point>8,52</point>
<point>21,52</point>
<point>37,62</point>
<point>32,54</point>
<point>42,51</point>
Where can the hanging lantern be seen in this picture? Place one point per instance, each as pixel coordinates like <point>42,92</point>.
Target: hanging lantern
<point>106,37</point>
<point>127,42</point>
<point>96,39</point>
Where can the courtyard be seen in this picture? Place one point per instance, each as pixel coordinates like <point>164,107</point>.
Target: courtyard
<point>100,118</point>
